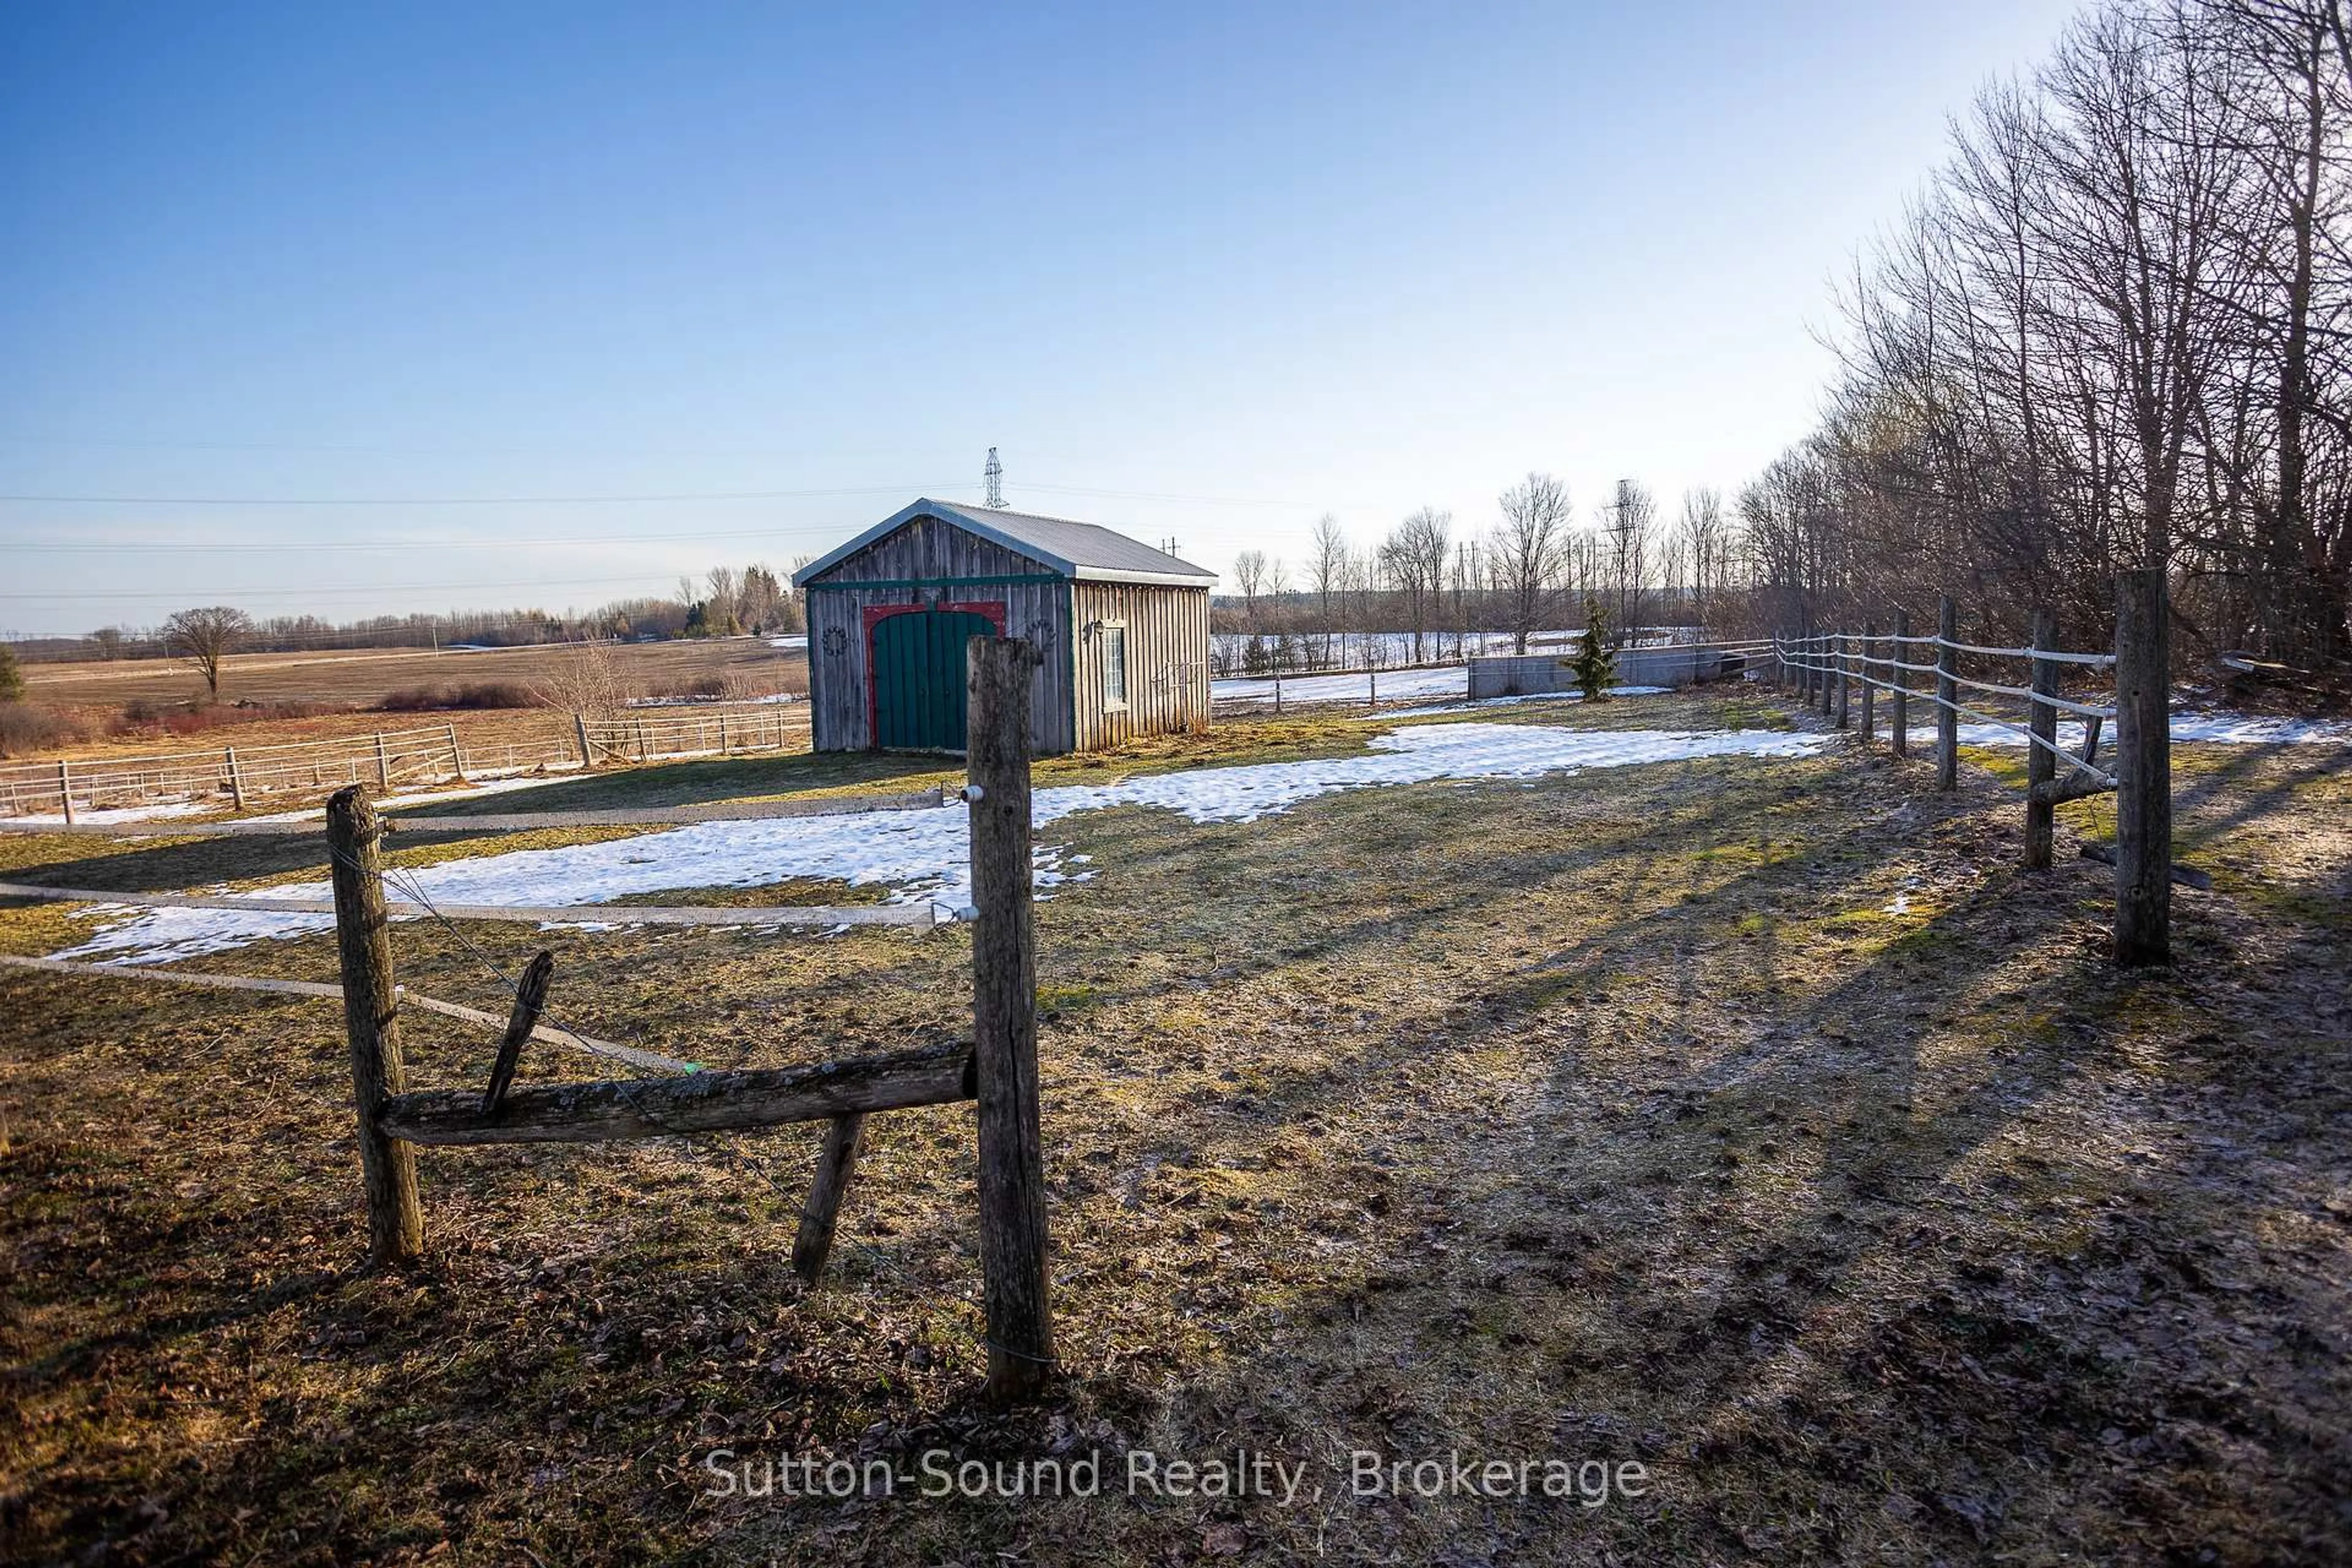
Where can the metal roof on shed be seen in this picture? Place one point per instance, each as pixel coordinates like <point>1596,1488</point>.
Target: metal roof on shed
<point>1086,551</point>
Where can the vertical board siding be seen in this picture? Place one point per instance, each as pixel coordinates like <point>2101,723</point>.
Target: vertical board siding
<point>1167,638</point>
<point>1167,660</point>
<point>928,551</point>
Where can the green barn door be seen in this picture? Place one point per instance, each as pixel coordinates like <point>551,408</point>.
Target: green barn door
<point>919,677</point>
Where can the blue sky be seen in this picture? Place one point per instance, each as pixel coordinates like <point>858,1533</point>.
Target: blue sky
<point>1200,271</point>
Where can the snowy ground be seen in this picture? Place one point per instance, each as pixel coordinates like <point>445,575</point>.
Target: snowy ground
<point>925,854</point>
<point>2215,729</point>
<point>1451,681</point>
<point>107,814</point>
<point>165,809</point>
<point>1483,704</point>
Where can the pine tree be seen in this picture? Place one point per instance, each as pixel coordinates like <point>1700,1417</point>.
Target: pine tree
<point>1595,663</point>
<point>12,684</point>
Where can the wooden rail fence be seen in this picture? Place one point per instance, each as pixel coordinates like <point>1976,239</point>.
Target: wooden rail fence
<point>1841,672</point>
<point>237,775</point>
<point>996,1068</point>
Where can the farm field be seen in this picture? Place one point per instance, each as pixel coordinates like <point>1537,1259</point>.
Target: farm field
<point>1750,1119</point>
<point>364,677</point>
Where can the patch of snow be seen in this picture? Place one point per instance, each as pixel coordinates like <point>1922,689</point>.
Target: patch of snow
<point>419,797</point>
<point>927,854</point>
<point>110,814</point>
<point>1453,680</point>
<point>800,641</point>
<point>1479,704</point>
<point>2213,728</point>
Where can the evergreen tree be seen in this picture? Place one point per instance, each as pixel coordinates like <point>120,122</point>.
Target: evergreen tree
<point>1596,661</point>
<point>12,684</point>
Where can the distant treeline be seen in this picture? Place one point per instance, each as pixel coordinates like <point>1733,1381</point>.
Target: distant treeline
<point>725,602</point>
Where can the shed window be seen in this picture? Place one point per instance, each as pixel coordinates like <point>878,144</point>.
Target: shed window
<point>1114,660</point>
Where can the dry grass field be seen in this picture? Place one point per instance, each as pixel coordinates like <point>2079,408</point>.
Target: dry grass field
<point>363,677</point>
<point>347,687</point>
<point>1756,1121</point>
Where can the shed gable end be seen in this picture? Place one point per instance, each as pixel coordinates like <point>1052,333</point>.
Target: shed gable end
<point>929,550</point>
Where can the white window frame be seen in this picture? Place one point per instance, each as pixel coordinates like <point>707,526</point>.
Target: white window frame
<point>1115,704</point>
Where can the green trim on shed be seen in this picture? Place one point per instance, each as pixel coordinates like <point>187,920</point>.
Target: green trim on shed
<point>933,582</point>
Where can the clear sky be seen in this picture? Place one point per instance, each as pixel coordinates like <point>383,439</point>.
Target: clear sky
<point>1200,270</point>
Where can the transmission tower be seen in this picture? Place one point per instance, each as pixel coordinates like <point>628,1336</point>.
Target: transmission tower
<point>994,475</point>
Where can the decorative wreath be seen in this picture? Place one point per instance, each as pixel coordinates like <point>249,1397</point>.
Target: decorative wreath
<point>836,642</point>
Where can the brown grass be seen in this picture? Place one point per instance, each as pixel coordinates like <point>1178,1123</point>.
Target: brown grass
<point>1614,1116</point>
<point>363,679</point>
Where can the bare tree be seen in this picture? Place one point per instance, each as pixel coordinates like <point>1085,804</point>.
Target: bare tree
<point>722,612</point>
<point>761,600</point>
<point>2115,329</point>
<point>1250,575</point>
<point>586,680</point>
<point>1707,537</point>
<point>204,638</point>
<point>1326,574</point>
<point>1627,522</point>
<point>1530,554</point>
<point>1414,556</point>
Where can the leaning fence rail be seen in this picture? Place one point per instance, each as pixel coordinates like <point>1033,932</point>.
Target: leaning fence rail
<point>151,974</point>
<point>1838,671</point>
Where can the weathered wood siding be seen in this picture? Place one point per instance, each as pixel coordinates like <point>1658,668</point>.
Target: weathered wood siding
<point>1167,660</point>
<point>930,561</point>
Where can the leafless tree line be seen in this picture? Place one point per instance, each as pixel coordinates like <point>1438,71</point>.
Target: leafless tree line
<point>2112,333</point>
<point>1532,571</point>
<point>724,602</point>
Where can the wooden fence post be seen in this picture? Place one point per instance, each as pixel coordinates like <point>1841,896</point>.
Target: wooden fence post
<point>1844,683</point>
<point>1869,643</point>
<point>1899,716</point>
<point>2041,760</point>
<point>1012,1242</point>
<point>643,756</point>
<point>457,757</point>
<point>382,765</point>
<point>836,1161</point>
<point>236,781</point>
<point>372,1020</point>
<point>1823,653</point>
<point>580,729</point>
<point>65,790</point>
<point>723,747</point>
<point>1947,691</point>
<point>2143,769</point>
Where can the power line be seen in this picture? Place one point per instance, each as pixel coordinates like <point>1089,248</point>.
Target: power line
<point>224,593</point>
<point>458,501</point>
<point>650,499</point>
<point>410,543</point>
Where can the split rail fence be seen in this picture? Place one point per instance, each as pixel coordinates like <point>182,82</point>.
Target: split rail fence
<point>1841,672</point>
<point>386,760</point>
<point>996,1068</point>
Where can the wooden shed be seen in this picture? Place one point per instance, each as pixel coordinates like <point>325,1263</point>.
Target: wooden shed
<point>1123,629</point>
